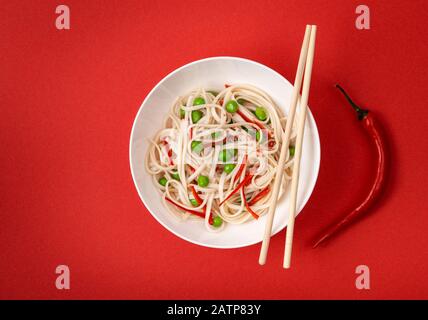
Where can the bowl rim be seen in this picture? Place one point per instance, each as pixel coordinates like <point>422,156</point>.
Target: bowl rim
<point>317,146</point>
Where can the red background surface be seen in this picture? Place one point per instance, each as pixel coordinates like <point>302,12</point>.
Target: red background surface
<point>68,100</point>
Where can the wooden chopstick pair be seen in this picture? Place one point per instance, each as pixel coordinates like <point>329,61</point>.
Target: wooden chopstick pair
<point>304,68</point>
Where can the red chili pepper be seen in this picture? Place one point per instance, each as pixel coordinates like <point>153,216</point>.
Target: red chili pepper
<point>227,85</point>
<point>371,127</point>
<point>200,201</point>
<point>259,196</point>
<point>191,133</point>
<point>196,213</point>
<point>247,206</point>
<point>238,187</point>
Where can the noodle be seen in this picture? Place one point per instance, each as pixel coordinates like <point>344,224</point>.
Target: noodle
<point>218,165</point>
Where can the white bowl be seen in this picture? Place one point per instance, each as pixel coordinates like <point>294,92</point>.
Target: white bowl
<point>214,73</point>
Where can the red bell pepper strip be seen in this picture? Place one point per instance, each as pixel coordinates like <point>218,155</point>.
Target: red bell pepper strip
<point>247,206</point>
<point>200,201</point>
<point>194,212</point>
<point>169,151</point>
<point>196,195</point>
<point>259,196</point>
<point>247,178</point>
<point>243,116</point>
<point>241,167</point>
<point>171,162</point>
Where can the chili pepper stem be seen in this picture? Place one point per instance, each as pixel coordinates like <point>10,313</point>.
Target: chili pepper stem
<point>361,113</point>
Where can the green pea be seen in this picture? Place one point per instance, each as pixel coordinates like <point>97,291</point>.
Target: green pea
<point>194,202</point>
<point>260,113</point>
<point>196,146</point>
<point>196,115</point>
<point>182,113</point>
<point>217,221</point>
<point>203,181</point>
<point>292,150</point>
<point>225,155</point>
<point>216,134</point>
<point>228,168</point>
<point>198,101</point>
<point>175,176</point>
<point>163,181</point>
<point>260,136</point>
<point>232,106</point>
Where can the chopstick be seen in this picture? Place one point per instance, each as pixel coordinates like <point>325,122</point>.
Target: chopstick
<point>285,142</point>
<point>298,149</point>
